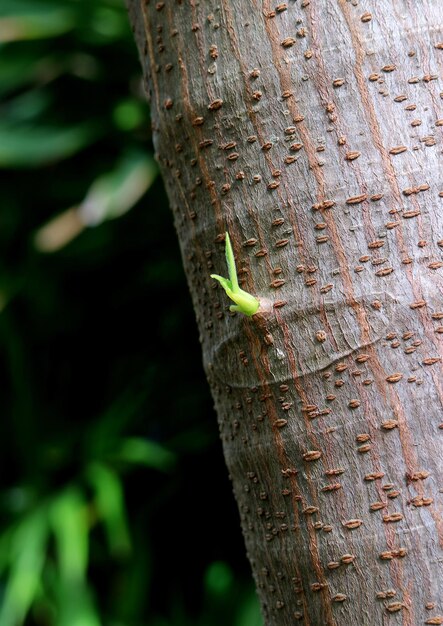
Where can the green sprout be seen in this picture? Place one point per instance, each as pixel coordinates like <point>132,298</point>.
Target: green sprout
<point>244,302</point>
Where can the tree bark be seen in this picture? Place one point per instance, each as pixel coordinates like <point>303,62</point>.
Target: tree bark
<point>311,130</point>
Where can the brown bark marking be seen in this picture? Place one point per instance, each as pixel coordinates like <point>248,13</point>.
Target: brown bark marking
<point>367,105</point>
<point>313,547</point>
<point>375,128</point>
<point>215,200</point>
<point>319,300</point>
<point>424,314</point>
<point>395,565</point>
<point>191,115</point>
<point>150,49</point>
<point>406,439</point>
<point>284,462</point>
<point>437,516</point>
<point>150,46</point>
<point>212,98</point>
<point>327,95</point>
<point>253,214</point>
<point>407,444</point>
<point>405,435</point>
<point>310,151</point>
<point>256,348</point>
<point>198,30</point>
<point>424,50</point>
<point>187,103</point>
<point>296,379</point>
<point>255,122</point>
<point>285,82</point>
<point>379,373</point>
<point>386,160</point>
<point>253,117</point>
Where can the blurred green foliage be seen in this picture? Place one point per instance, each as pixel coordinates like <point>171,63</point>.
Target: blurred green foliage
<point>115,508</point>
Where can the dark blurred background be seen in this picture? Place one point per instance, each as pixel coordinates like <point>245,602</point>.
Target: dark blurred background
<point>115,506</point>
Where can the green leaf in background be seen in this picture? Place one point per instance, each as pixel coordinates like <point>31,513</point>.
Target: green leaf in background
<point>145,452</point>
<point>88,536</point>
<point>27,107</point>
<point>218,578</point>
<point>33,19</point>
<point>70,525</point>
<point>109,197</point>
<point>249,611</point>
<point>34,146</point>
<point>75,605</point>
<point>113,194</point>
<point>107,21</point>
<point>129,114</point>
<point>20,67</point>
<point>69,522</point>
<point>27,553</point>
<point>110,505</point>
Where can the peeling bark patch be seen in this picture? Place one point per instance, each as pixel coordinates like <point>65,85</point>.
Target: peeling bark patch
<point>357,199</point>
<point>312,455</point>
<point>288,42</point>
<point>352,524</point>
<point>215,105</point>
<point>394,378</point>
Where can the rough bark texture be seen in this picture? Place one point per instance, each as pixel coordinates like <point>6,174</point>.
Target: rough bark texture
<point>312,131</point>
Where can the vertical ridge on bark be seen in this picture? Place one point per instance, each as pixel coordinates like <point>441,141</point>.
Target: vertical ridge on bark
<point>312,132</point>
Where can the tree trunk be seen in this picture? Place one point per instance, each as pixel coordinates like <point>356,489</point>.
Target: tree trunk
<point>311,130</point>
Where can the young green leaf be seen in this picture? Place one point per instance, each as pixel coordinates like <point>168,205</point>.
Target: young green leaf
<point>230,261</point>
<point>244,302</point>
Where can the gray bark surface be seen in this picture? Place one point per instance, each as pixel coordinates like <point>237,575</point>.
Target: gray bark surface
<point>312,131</point>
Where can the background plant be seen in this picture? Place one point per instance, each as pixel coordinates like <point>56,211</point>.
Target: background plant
<point>110,465</point>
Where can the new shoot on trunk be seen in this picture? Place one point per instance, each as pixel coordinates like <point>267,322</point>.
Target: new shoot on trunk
<point>244,302</point>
